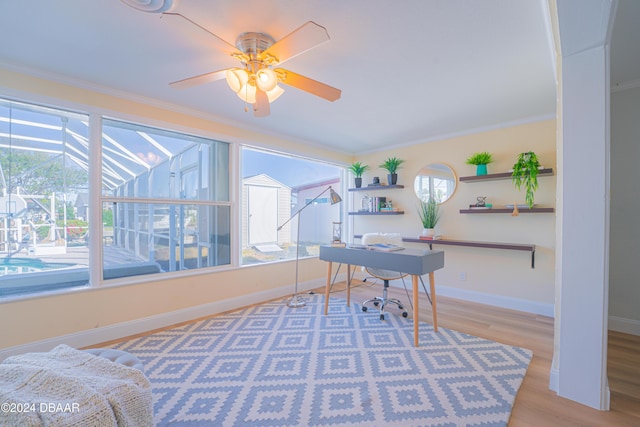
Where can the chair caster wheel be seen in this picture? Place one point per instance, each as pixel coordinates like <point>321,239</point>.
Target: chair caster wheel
<point>364,309</point>
<point>376,303</point>
<point>401,307</point>
<point>382,317</point>
<point>405,314</point>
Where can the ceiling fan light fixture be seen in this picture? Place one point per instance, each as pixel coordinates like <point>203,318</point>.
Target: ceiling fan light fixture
<point>266,79</point>
<point>247,93</point>
<point>237,78</point>
<point>274,93</point>
<point>256,81</point>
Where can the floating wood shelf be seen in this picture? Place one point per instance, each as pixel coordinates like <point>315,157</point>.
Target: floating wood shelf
<point>505,210</point>
<point>500,176</point>
<point>378,213</point>
<point>487,245</point>
<point>473,244</point>
<point>376,187</point>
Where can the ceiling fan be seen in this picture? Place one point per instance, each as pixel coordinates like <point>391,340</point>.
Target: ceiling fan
<point>256,81</point>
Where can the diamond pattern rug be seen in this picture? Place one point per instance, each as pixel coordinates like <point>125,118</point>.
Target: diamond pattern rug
<point>271,365</point>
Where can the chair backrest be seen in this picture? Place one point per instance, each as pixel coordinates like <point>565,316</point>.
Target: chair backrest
<point>389,238</point>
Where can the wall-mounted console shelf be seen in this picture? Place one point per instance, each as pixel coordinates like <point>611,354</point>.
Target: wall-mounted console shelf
<point>503,211</point>
<point>376,187</point>
<point>499,176</point>
<point>377,213</point>
<point>487,245</point>
<point>474,244</point>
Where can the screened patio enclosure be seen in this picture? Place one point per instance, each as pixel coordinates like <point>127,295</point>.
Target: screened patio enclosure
<point>164,196</point>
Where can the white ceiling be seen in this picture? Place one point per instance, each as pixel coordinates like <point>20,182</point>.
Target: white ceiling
<point>410,71</point>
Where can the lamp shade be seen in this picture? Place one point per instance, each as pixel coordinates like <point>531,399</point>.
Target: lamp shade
<point>236,78</point>
<point>247,93</point>
<point>274,93</point>
<point>334,197</point>
<point>266,79</point>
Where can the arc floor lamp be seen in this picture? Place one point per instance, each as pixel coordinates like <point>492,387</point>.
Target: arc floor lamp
<point>334,198</point>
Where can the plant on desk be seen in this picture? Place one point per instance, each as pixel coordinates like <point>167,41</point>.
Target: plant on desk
<point>429,212</point>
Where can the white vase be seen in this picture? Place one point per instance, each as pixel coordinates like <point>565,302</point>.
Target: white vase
<point>428,232</point>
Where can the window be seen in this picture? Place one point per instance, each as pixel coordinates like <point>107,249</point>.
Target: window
<point>166,201</point>
<point>275,187</point>
<point>43,204</point>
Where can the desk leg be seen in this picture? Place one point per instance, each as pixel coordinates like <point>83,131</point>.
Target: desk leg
<point>348,285</point>
<point>327,288</point>
<point>416,311</point>
<point>432,285</point>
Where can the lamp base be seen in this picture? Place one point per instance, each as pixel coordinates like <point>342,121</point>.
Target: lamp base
<point>296,302</point>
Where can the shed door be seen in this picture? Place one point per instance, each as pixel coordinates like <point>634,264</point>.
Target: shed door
<point>263,215</point>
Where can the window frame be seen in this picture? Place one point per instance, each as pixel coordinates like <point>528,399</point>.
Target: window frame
<point>340,188</point>
<point>96,115</point>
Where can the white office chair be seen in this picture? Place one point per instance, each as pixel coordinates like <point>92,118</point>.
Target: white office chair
<point>384,275</point>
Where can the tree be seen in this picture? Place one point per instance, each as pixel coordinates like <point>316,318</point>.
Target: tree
<point>40,173</point>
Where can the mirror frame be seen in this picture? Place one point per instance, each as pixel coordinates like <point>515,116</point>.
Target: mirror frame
<point>453,172</point>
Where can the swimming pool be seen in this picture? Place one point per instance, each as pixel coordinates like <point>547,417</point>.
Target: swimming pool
<point>28,265</point>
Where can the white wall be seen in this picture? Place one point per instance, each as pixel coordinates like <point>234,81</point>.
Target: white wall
<point>624,292</point>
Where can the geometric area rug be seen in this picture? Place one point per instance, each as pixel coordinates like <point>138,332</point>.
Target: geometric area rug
<point>271,365</point>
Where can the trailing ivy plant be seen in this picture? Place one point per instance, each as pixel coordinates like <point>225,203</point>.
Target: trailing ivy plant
<point>525,173</point>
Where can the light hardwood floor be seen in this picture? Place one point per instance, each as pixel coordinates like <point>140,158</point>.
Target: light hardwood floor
<point>535,404</point>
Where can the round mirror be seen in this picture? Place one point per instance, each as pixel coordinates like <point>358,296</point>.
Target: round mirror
<point>437,180</point>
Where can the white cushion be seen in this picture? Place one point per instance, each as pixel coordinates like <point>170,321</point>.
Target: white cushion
<point>118,356</point>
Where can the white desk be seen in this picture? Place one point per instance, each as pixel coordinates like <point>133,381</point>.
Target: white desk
<point>415,262</point>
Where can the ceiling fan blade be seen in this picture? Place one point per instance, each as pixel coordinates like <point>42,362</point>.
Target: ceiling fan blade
<point>198,80</point>
<point>261,107</point>
<point>219,43</point>
<point>314,87</point>
<point>300,40</point>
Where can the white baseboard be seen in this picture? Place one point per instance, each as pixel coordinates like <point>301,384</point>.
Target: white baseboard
<point>497,300</point>
<point>626,326</point>
<point>554,385</point>
<point>554,380</point>
<point>120,330</point>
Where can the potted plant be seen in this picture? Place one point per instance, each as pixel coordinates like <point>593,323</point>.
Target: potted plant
<point>357,168</point>
<point>480,160</point>
<point>392,164</point>
<point>525,172</point>
<point>429,212</point>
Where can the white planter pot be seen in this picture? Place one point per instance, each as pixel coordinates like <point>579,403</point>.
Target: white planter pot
<point>428,232</point>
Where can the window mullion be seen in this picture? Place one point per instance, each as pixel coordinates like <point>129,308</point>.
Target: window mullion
<point>95,199</point>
